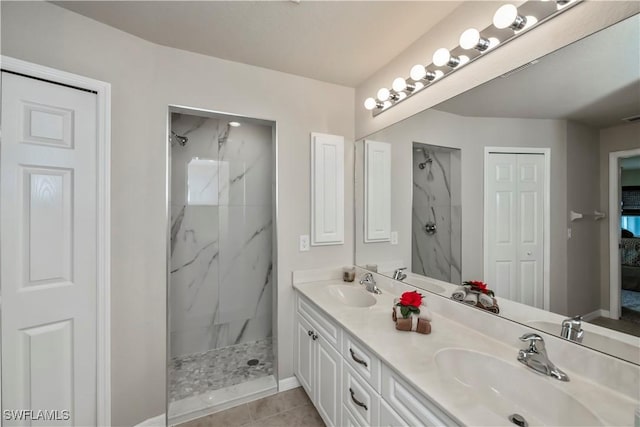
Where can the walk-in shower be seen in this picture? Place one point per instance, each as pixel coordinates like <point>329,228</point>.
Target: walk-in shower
<point>221,262</point>
<point>436,222</point>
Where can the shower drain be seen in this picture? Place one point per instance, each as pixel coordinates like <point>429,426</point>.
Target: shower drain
<point>253,362</point>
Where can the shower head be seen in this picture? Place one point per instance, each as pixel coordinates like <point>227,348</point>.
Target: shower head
<point>428,160</point>
<point>182,140</point>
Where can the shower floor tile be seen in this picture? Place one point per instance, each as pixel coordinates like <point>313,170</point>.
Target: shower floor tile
<point>199,373</point>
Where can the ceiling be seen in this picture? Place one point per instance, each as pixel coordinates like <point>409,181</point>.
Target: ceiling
<point>342,42</point>
<point>595,81</point>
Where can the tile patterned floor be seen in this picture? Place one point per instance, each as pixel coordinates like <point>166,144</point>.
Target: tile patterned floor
<point>290,408</point>
<point>215,369</point>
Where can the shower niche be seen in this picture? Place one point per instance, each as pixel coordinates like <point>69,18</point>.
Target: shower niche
<point>221,261</point>
<point>436,224</point>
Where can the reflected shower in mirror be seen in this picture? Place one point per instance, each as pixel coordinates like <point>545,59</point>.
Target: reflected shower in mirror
<point>435,213</point>
<point>530,158</point>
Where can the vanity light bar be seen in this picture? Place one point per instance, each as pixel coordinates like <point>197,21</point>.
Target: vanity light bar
<point>508,23</point>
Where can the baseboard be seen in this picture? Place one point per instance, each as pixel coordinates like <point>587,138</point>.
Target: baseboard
<point>288,383</point>
<point>158,421</point>
<point>594,314</point>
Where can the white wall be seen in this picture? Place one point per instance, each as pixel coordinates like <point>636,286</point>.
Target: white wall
<point>574,24</point>
<point>145,79</point>
<point>617,138</point>
<point>583,195</point>
<point>471,135</point>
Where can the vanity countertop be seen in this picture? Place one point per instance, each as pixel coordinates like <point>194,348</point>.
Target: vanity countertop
<point>412,355</point>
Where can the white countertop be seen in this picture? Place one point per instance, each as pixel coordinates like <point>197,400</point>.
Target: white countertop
<point>412,356</point>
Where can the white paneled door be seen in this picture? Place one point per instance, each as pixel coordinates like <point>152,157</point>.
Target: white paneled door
<point>515,226</point>
<point>48,224</point>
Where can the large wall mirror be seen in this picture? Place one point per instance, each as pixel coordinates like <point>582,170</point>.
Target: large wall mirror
<point>509,183</point>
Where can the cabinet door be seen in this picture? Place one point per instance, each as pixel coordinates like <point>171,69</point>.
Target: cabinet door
<point>389,417</point>
<point>304,355</point>
<point>328,398</point>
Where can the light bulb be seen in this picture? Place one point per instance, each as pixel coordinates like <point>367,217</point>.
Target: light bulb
<point>463,59</point>
<point>399,84</point>
<point>437,74</point>
<point>493,42</point>
<point>507,17</point>
<point>417,72</point>
<point>370,104</point>
<point>234,124</point>
<point>443,57</point>
<point>471,39</point>
<point>383,94</point>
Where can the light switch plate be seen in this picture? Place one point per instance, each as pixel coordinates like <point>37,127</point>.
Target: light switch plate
<point>304,243</point>
<point>394,237</point>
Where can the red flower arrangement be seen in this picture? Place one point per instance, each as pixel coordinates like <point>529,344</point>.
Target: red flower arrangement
<point>410,303</point>
<point>478,286</point>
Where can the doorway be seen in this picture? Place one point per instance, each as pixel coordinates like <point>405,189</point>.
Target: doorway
<point>55,256</point>
<point>221,258</point>
<point>624,236</point>
<point>516,223</point>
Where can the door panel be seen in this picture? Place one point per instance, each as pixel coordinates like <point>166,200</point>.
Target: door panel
<point>515,226</point>
<point>48,224</point>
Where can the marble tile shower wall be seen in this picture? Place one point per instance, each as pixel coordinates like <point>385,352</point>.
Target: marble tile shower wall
<point>221,234</point>
<point>436,202</point>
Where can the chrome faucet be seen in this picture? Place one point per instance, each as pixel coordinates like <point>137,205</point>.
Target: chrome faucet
<point>572,329</point>
<point>535,357</point>
<point>399,275</point>
<point>370,283</point>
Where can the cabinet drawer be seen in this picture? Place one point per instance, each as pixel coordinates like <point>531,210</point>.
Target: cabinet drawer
<point>348,419</point>
<point>359,397</point>
<point>325,327</point>
<point>362,360</point>
<point>411,405</point>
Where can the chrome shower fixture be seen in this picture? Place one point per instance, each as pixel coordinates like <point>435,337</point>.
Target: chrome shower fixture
<point>182,140</point>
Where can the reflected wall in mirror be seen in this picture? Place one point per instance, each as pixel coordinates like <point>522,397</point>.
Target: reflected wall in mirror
<point>516,233</point>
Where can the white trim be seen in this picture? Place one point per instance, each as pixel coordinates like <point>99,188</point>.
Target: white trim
<point>595,314</point>
<point>322,233</point>
<point>614,230</point>
<point>288,384</point>
<point>103,295</point>
<point>547,213</point>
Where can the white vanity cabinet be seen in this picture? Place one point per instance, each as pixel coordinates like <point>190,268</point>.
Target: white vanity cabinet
<point>352,387</point>
<point>317,362</point>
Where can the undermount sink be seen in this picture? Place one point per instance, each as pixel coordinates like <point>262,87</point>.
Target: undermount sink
<point>505,389</point>
<point>351,296</point>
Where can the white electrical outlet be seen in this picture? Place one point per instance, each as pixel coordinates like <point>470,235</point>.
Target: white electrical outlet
<point>394,237</point>
<point>304,243</point>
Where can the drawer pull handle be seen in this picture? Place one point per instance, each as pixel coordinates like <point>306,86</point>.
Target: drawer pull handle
<point>357,359</point>
<point>356,401</point>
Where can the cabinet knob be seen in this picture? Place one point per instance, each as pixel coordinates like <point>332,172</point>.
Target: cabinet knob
<point>309,332</point>
<point>314,337</point>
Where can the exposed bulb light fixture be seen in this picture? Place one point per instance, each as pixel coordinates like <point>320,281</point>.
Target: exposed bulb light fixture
<point>371,103</point>
<point>234,124</point>
<point>443,57</point>
<point>507,17</point>
<point>471,39</point>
